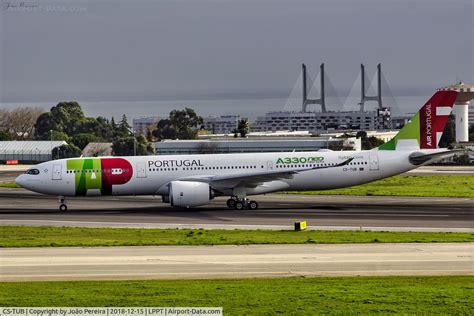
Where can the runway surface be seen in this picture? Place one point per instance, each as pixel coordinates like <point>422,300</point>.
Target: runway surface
<point>31,264</point>
<point>277,211</point>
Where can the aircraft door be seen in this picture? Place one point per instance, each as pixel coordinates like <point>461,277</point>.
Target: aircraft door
<point>269,165</point>
<point>374,162</point>
<point>141,170</point>
<point>57,172</point>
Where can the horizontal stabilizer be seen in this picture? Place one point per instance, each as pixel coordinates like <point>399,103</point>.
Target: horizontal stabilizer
<point>418,158</point>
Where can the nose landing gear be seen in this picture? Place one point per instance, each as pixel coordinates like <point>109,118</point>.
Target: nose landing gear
<point>62,204</point>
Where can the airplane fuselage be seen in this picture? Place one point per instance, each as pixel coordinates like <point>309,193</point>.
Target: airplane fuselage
<point>193,180</point>
<point>150,175</point>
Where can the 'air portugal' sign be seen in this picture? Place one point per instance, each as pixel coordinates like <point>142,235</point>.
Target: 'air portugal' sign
<point>433,117</point>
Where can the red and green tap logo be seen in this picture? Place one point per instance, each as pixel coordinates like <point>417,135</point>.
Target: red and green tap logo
<point>99,174</point>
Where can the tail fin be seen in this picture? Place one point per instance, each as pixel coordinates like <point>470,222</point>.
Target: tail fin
<point>424,130</point>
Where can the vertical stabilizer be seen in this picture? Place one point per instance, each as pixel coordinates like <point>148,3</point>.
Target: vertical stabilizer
<point>425,129</point>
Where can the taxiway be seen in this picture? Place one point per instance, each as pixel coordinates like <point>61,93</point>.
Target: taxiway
<point>277,211</point>
<point>207,262</point>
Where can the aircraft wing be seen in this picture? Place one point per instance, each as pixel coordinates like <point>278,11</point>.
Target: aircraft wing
<point>252,179</point>
<point>419,158</point>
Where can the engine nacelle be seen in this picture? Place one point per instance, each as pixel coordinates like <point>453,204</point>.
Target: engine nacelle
<point>189,193</point>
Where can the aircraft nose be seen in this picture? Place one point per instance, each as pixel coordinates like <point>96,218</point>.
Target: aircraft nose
<point>20,180</point>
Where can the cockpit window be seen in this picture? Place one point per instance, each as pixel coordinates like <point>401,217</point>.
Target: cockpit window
<point>32,171</point>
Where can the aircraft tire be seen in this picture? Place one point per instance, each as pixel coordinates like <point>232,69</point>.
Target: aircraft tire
<point>63,207</point>
<point>239,205</point>
<point>253,205</point>
<point>230,203</point>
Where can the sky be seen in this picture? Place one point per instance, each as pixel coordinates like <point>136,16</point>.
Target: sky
<point>139,50</point>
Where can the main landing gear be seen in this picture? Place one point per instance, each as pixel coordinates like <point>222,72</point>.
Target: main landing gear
<point>62,204</point>
<point>240,204</point>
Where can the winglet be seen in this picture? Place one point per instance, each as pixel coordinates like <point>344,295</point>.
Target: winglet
<point>419,158</point>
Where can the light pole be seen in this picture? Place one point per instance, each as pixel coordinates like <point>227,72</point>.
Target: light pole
<point>134,144</point>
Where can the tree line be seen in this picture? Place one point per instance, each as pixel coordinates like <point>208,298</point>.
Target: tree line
<point>67,121</point>
<point>18,124</point>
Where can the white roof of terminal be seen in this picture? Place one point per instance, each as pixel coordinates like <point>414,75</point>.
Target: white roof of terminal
<point>35,146</point>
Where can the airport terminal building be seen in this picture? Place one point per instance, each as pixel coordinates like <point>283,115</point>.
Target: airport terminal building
<point>223,124</point>
<point>28,151</point>
<point>315,121</point>
<point>254,145</point>
<point>141,125</point>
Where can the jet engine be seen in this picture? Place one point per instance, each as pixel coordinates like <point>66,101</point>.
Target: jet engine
<point>189,193</point>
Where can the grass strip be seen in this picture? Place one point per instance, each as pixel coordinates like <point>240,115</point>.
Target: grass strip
<point>439,185</point>
<point>9,185</point>
<point>29,236</point>
<point>448,295</point>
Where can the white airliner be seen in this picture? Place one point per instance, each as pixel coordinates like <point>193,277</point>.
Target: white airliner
<point>194,180</point>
